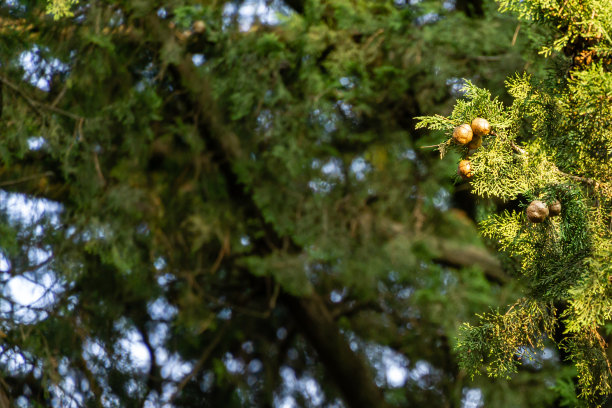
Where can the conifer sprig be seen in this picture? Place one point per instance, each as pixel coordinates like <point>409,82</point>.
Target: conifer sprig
<point>562,260</point>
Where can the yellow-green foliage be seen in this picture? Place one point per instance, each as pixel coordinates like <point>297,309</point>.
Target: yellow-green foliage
<point>586,133</point>
<point>554,142</point>
<point>502,340</point>
<point>586,349</point>
<point>499,170</point>
<point>575,19</point>
<point>60,8</point>
<point>591,300</point>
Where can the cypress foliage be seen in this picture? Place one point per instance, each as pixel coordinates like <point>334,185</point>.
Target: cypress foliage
<point>553,143</point>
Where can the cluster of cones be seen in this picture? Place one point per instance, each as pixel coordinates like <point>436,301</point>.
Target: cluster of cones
<point>538,211</point>
<point>470,135</point>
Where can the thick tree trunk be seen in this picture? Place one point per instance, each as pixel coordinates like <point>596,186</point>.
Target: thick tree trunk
<point>347,369</point>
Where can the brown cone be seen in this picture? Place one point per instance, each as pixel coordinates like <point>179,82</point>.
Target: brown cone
<point>481,127</point>
<point>554,209</point>
<point>462,134</point>
<point>465,169</point>
<point>475,143</point>
<point>537,211</point>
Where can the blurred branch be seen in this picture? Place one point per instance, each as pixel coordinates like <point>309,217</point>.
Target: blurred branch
<point>36,174</point>
<point>24,179</point>
<point>200,363</point>
<point>452,254</point>
<point>349,371</point>
<point>38,106</point>
<point>5,401</point>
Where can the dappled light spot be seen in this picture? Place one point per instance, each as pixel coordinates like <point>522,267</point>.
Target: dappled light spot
<point>174,368</point>
<point>198,59</point>
<point>36,143</point>
<point>38,69</point>
<point>28,210</point>
<point>472,398</point>
<point>251,11</point>
<point>134,351</point>
<point>24,291</point>
<point>160,309</point>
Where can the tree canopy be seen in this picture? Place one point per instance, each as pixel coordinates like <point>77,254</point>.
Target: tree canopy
<point>228,203</point>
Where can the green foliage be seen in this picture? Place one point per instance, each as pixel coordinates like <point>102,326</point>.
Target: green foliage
<point>568,395</point>
<point>557,263</point>
<point>590,301</point>
<point>553,254</point>
<point>578,21</point>
<point>498,171</point>
<point>551,144</point>
<point>60,8</point>
<point>563,260</point>
<point>587,351</point>
<point>477,103</point>
<point>501,341</point>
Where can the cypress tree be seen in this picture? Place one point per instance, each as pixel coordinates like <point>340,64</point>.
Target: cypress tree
<point>548,158</point>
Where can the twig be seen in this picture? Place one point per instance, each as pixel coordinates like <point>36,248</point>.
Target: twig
<point>274,298</point>
<point>30,268</point>
<point>198,365</point>
<point>37,106</point>
<point>514,146</point>
<point>521,300</point>
<point>517,149</point>
<point>562,7</point>
<point>225,250</point>
<point>99,169</point>
<point>59,96</point>
<point>15,88</point>
<point>24,179</point>
<point>578,178</point>
<point>514,37</point>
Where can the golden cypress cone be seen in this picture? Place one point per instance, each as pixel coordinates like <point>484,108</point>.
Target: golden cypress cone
<point>465,169</point>
<point>475,143</point>
<point>199,26</point>
<point>462,134</point>
<point>481,127</point>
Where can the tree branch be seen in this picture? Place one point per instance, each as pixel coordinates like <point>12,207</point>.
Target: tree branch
<point>38,106</point>
<point>200,363</point>
<point>462,256</point>
<point>350,372</point>
<point>580,179</point>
